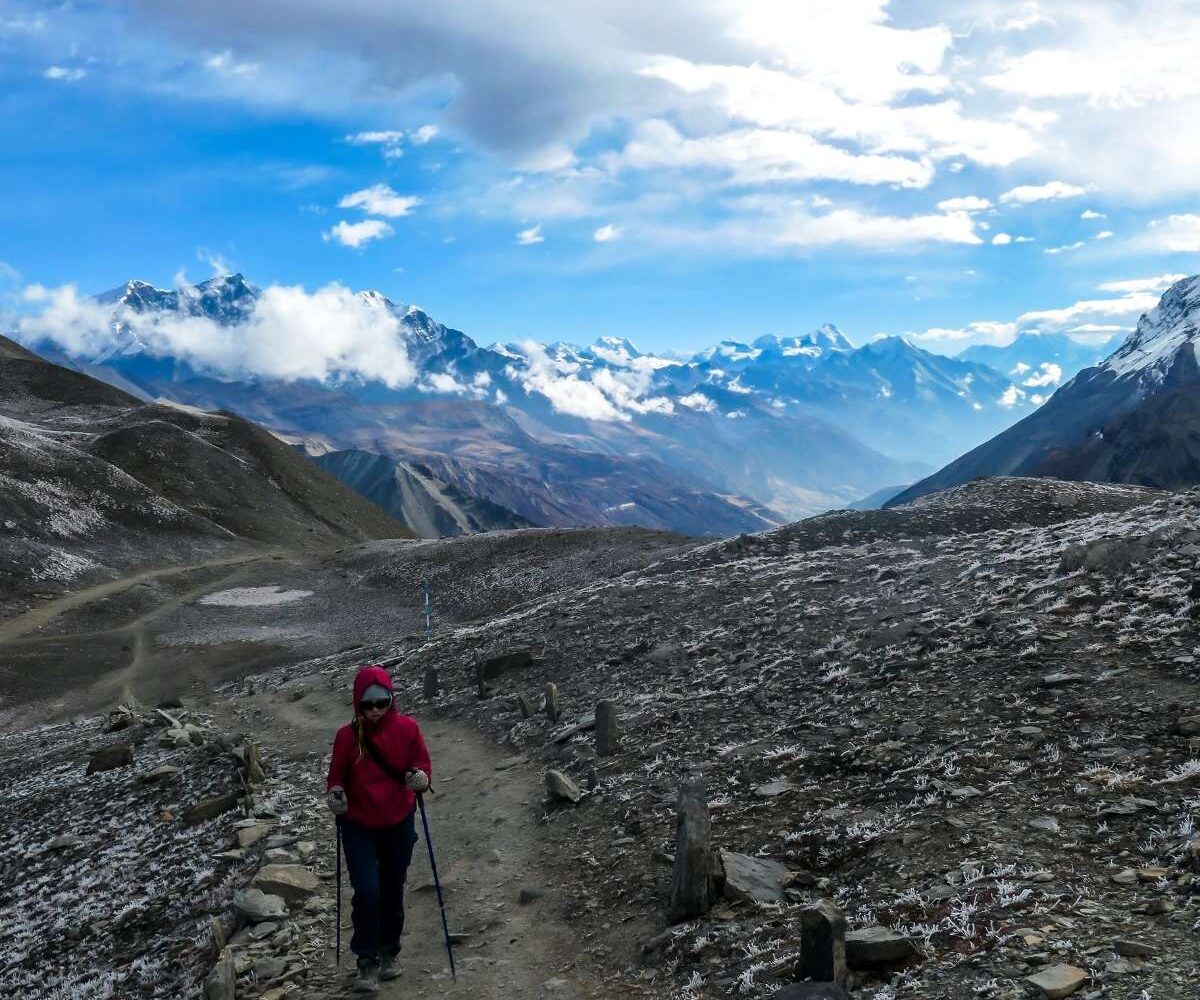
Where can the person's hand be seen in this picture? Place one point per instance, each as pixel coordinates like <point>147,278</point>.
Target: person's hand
<point>335,798</point>
<point>417,781</point>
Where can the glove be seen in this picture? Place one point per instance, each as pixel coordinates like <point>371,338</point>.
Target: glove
<point>335,798</point>
<point>417,781</point>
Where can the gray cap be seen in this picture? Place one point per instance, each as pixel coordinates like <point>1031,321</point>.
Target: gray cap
<point>375,692</point>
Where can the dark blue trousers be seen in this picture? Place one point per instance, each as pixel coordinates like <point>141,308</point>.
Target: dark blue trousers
<point>377,861</point>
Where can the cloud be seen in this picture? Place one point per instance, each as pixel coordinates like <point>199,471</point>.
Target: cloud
<point>1027,194</point>
<point>1001,239</point>
<point>606,233</point>
<point>1048,374</point>
<point>424,134</point>
<point>1088,213</point>
<point>226,64</point>
<point>854,228</point>
<point>1142,286</point>
<point>1106,235</point>
<point>356,234</point>
<point>528,237</point>
<point>971,203</point>
<point>64,74</point>
<point>1174,234</point>
<point>1129,307</point>
<point>290,334</point>
<point>980,332</point>
<point>379,199</point>
<point>1066,248</point>
<point>763,156</point>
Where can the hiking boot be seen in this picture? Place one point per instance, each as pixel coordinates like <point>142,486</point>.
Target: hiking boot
<point>367,980</point>
<point>389,966</point>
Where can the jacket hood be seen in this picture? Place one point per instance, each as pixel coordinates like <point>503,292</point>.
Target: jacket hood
<point>373,674</point>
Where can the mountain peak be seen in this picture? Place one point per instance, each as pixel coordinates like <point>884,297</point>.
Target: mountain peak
<point>1161,333</point>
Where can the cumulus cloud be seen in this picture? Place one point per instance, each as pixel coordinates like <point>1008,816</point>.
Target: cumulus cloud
<point>980,332</point>
<point>1001,239</point>
<point>357,234</point>
<point>424,135</point>
<point>1089,213</point>
<point>1027,194</point>
<point>1047,374</point>
<point>1128,307</point>
<point>379,199</point>
<point>290,334</point>
<point>606,233</point>
<point>529,237</point>
<point>971,203</point>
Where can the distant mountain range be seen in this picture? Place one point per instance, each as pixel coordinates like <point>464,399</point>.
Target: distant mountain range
<point>1133,419</point>
<point>737,437</point>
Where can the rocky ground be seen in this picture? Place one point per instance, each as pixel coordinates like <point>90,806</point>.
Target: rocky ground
<point>971,724</point>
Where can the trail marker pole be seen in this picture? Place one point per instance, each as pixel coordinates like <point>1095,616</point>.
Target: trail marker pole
<point>428,595</point>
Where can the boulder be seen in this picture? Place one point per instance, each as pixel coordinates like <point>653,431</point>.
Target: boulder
<point>560,788</point>
<point>210,808</point>
<point>108,758</point>
<point>256,906</point>
<point>1189,725</point>
<point>1058,981</point>
<point>494,666</point>
<point>293,883</point>
<point>164,772</point>
<point>752,879</point>
<point>873,946</point>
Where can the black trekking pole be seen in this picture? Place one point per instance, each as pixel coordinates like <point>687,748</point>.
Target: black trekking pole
<point>338,889</point>
<point>437,884</point>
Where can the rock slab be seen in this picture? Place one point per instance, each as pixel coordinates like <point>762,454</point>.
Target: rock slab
<point>823,943</point>
<point>293,883</point>
<point>872,946</point>
<point>1059,981</point>
<point>108,758</point>
<point>256,906</point>
<point>560,788</point>
<point>749,879</point>
<point>221,983</point>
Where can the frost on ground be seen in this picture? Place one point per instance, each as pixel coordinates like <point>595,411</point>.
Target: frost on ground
<point>254,597</point>
<point>104,892</point>
<point>975,722</point>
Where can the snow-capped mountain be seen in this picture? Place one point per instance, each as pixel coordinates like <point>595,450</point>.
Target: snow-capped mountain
<point>796,423</point>
<point>1133,419</point>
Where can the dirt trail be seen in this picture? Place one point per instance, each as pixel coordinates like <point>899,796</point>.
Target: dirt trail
<point>489,847</point>
<point>35,618</point>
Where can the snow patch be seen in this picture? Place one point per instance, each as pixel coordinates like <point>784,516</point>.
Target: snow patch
<point>254,597</point>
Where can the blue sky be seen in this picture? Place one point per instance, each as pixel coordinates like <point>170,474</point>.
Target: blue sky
<point>677,173</point>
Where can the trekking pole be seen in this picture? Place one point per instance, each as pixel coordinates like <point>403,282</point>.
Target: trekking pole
<point>437,884</point>
<point>338,889</point>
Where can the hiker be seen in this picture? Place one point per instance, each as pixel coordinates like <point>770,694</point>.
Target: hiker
<point>379,765</point>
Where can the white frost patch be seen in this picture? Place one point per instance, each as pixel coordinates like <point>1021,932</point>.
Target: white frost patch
<point>254,597</point>
<point>60,565</point>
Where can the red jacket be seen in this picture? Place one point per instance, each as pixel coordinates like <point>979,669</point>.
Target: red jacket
<point>375,799</point>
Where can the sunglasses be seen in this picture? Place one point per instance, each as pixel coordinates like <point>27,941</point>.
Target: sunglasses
<point>379,703</point>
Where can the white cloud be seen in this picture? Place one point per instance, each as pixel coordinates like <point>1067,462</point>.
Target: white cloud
<point>64,74</point>
<point>528,237</point>
<point>1145,286</point>
<point>1001,239</point>
<point>1065,248</point>
<point>290,334</point>
<point>847,226</point>
<point>1106,235</point>
<point>379,199</point>
<point>971,203</point>
<point>390,141</point>
<point>980,332</point>
<point>355,234</point>
<point>226,64</point>
<point>1174,234</point>
<point>424,135</point>
<point>1010,397</point>
<point>764,156</point>
<point>606,233</point>
<point>1128,307</point>
<point>1027,194</point>
<point>1088,213</point>
<point>1048,374</point>
<point>698,401</point>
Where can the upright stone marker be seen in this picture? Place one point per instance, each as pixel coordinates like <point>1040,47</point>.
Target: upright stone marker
<point>433,686</point>
<point>552,708</point>
<point>691,878</point>
<point>823,944</point>
<point>525,707</point>
<point>606,729</point>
